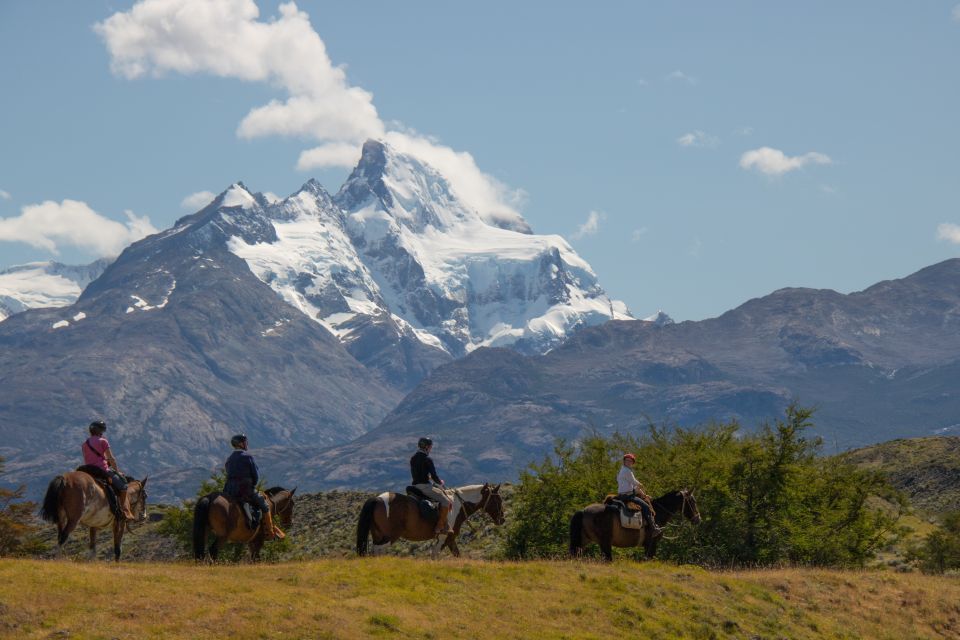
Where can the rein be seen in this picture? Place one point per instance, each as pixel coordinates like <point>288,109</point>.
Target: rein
<point>480,506</point>
<point>674,514</point>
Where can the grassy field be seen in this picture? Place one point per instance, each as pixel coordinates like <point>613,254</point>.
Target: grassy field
<point>405,598</point>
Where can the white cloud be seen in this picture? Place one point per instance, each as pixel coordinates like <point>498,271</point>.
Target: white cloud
<point>591,226</point>
<point>50,224</point>
<point>949,232</point>
<point>637,234</point>
<point>4,195</point>
<point>227,38</point>
<point>743,131</point>
<point>774,162</point>
<point>956,13</point>
<point>641,82</point>
<point>332,154</point>
<point>698,138</point>
<point>198,200</point>
<point>682,77</point>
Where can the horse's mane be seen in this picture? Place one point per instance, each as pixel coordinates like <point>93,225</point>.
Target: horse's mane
<point>272,491</point>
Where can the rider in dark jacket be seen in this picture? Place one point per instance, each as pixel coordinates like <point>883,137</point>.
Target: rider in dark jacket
<point>242,478</point>
<point>426,479</point>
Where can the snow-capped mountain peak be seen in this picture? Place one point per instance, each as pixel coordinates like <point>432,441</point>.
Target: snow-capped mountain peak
<point>396,257</point>
<point>45,284</point>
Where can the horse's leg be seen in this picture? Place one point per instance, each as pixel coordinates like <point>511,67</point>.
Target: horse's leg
<point>435,548</point>
<point>451,543</point>
<point>215,547</point>
<point>117,539</point>
<point>255,545</point>
<point>92,551</point>
<point>64,533</point>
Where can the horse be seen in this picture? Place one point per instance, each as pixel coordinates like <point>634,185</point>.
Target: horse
<point>392,516</point>
<point>76,498</point>
<point>600,523</point>
<point>223,517</point>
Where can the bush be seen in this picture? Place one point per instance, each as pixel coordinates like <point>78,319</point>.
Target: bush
<point>765,498</point>
<point>940,550</point>
<point>18,527</point>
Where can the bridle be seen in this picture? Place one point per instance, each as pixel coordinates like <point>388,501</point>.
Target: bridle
<point>480,506</point>
<point>681,513</point>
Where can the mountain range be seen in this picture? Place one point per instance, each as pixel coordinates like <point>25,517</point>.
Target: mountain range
<point>300,321</point>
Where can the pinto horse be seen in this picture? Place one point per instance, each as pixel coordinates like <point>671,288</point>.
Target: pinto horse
<point>600,523</point>
<point>77,498</point>
<point>392,516</point>
<point>223,517</point>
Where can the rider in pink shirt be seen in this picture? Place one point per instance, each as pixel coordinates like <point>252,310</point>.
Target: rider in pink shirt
<point>96,453</point>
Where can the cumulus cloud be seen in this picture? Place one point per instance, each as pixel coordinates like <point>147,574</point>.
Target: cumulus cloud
<point>4,195</point>
<point>591,226</point>
<point>638,234</point>
<point>774,162</point>
<point>698,138</point>
<point>956,13</point>
<point>228,38</point>
<point>50,225</point>
<point>680,76</point>
<point>949,232</point>
<point>198,200</point>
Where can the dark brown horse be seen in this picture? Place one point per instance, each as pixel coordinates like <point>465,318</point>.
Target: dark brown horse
<point>392,516</point>
<point>76,498</point>
<point>600,523</point>
<point>222,516</point>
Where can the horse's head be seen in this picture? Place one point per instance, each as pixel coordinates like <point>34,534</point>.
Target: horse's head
<point>282,500</point>
<point>138,499</point>
<point>690,511</point>
<point>492,503</point>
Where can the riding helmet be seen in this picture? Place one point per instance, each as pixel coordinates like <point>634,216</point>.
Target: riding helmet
<point>237,440</point>
<point>629,456</point>
<point>423,443</point>
<point>97,427</point>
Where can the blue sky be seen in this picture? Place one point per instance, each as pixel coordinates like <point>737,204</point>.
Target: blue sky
<point>696,154</point>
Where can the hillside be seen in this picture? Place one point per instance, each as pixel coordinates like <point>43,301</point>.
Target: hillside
<point>927,470</point>
<point>387,597</point>
<point>877,364</point>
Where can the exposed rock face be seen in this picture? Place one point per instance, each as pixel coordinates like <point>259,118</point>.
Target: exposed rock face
<point>878,364</point>
<point>178,346</point>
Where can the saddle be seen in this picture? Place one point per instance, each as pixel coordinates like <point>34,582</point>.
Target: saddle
<point>429,508</point>
<point>631,517</point>
<point>251,512</point>
<point>101,478</point>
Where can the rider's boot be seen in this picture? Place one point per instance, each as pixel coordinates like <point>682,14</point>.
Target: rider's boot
<point>271,531</point>
<point>124,505</point>
<point>442,525</point>
<point>652,528</point>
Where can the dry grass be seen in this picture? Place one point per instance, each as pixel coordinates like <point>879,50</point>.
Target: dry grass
<point>403,598</point>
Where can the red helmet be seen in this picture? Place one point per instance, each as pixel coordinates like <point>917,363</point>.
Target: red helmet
<point>630,456</point>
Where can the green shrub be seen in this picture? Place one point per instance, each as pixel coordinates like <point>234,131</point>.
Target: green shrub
<point>765,497</point>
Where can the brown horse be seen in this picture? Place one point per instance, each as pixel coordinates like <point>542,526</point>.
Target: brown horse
<point>600,523</point>
<point>76,498</point>
<point>392,516</point>
<point>222,516</point>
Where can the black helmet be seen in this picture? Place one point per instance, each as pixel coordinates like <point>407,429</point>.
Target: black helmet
<point>97,427</point>
<point>423,443</point>
<point>237,440</point>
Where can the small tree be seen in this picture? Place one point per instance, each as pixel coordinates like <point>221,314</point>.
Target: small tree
<point>940,550</point>
<point>18,527</point>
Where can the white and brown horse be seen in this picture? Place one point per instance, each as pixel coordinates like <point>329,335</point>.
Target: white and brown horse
<point>77,498</point>
<point>393,516</point>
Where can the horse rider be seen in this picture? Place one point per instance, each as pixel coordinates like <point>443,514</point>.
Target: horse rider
<point>242,478</point>
<point>629,489</point>
<point>97,454</point>
<point>426,479</point>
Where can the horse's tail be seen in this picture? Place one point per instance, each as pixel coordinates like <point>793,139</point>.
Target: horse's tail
<point>201,513</point>
<point>363,525</point>
<point>576,534</point>
<point>51,501</point>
